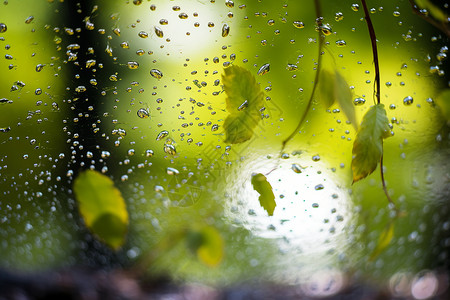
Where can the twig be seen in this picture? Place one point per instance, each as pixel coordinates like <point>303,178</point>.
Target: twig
<point>373,39</point>
<point>316,79</point>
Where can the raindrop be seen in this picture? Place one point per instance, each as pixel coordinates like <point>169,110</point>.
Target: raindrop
<point>316,158</point>
<point>170,149</point>
<point>408,100</point>
<point>315,205</point>
<point>143,34</point>
<point>355,7</point>
<point>3,27</point>
<point>396,14</point>
<point>39,67</point>
<point>172,171</point>
<point>183,16</point>
<point>229,3</point>
<point>159,33</point>
<point>156,73</point>
<point>137,2</point>
<point>359,101</point>
<point>29,19</point>
<point>296,168</point>
<point>243,106</point>
<point>116,31</point>
<point>326,29</point>
<point>319,187</point>
<point>80,89</point>
<point>298,24</point>
<point>339,16</point>
<point>291,67</point>
<point>162,135</point>
<point>210,24</point>
<point>133,65</point>
<point>214,127</point>
<point>143,113</point>
<point>341,43</point>
<point>163,22</point>
<point>264,69</point>
<point>225,30</point>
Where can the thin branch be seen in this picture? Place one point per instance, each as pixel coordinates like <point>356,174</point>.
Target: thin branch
<point>316,79</point>
<point>373,39</point>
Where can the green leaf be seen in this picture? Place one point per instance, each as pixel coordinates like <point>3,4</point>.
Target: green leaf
<point>102,207</point>
<point>244,101</point>
<point>333,88</point>
<point>266,196</point>
<point>207,244</point>
<point>383,241</point>
<point>368,144</point>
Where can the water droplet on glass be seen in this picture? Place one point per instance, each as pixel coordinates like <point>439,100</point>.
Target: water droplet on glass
<point>359,101</point>
<point>159,33</point>
<point>3,27</point>
<point>172,171</point>
<point>225,30</point>
<point>355,7</point>
<point>162,135</point>
<point>339,16</point>
<point>264,69</point>
<point>341,43</point>
<point>143,113</point>
<point>291,67</point>
<point>298,24</point>
<point>156,73</point>
<point>143,34</point>
<point>132,65</point>
<point>408,100</point>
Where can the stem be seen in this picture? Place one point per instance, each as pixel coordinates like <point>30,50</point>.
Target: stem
<point>373,39</point>
<point>316,79</point>
<point>377,88</point>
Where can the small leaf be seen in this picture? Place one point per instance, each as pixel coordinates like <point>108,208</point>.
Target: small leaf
<point>244,101</point>
<point>207,244</point>
<point>326,88</point>
<point>266,196</point>
<point>102,207</point>
<point>333,88</point>
<point>383,241</point>
<point>368,144</point>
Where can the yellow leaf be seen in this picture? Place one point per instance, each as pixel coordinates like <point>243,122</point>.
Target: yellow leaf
<point>383,241</point>
<point>368,144</point>
<point>244,102</point>
<point>333,88</point>
<point>208,244</point>
<point>263,187</point>
<point>102,207</point>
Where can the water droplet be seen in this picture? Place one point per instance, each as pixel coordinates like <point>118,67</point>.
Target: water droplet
<point>149,153</point>
<point>29,19</point>
<point>315,205</point>
<point>132,65</point>
<point>170,149</point>
<point>143,34</point>
<point>271,22</point>
<point>316,158</point>
<point>243,106</point>
<point>214,127</point>
<point>296,168</point>
<point>3,27</point>
<point>319,187</point>
<point>291,67</point>
<point>183,16</point>
<point>355,7</point>
<point>156,73</point>
<point>396,14</point>
<point>210,24</point>
<point>39,67</point>
<point>341,43</point>
<point>339,16</point>
<point>229,3</point>
<point>80,89</point>
<point>116,31</point>
<point>159,33</point>
<point>137,2</point>
<point>143,113</point>
<point>326,29</point>
<point>264,69</point>
<point>162,135</point>
<point>90,63</point>
<point>441,56</point>
<point>172,171</point>
<point>225,30</point>
<point>408,100</point>
<point>298,24</point>
<point>359,101</point>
